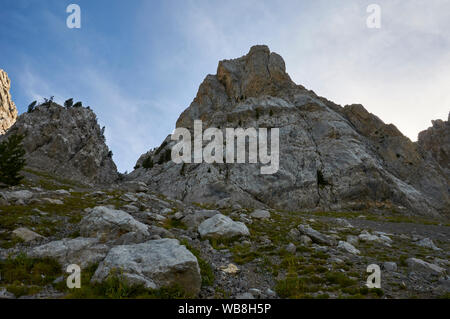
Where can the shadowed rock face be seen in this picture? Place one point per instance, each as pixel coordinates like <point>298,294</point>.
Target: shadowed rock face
<point>331,157</point>
<point>435,141</point>
<point>67,143</point>
<point>8,110</point>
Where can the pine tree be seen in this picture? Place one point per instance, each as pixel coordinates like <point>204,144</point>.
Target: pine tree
<point>12,159</point>
<point>31,106</point>
<point>68,103</point>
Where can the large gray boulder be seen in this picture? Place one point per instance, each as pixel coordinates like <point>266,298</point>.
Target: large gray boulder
<point>113,225</point>
<point>222,227</point>
<point>80,251</point>
<point>420,265</point>
<point>154,264</point>
<point>194,219</point>
<point>316,236</point>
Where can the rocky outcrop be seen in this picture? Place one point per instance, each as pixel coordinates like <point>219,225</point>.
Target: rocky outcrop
<point>8,110</point>
<point>435,141</point>
<point>332,158</point>
<point>154,264</point>
<point>67,143</point>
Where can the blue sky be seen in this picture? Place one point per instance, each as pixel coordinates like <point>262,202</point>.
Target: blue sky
<point>139,63</point>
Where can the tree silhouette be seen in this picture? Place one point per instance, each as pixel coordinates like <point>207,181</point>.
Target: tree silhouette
<point>12,159</point>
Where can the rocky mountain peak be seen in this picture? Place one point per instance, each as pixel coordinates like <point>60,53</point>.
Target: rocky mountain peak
<point>331,157</point>
<point>66,142</point>
<point>8,110</point>
<point>259,72</point>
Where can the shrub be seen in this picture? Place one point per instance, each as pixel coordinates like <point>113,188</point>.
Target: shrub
<point>31,106</point>
<point>147,163</point>
<point>78,104</point>
<point>12,160</point>
<point>68,103</point>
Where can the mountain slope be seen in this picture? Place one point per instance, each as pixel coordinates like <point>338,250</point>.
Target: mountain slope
<point>331,158</point>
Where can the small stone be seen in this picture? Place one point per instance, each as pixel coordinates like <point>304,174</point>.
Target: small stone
<point>343,245</point>
<point>390,266</point>
<point>231,269</point>
<point>427,243</point>
<point>260,214</point>
<point>291,248</point>
<point>305,240</point>
<point>27,235</point>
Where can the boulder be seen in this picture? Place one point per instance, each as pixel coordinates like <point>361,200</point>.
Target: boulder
<point>416,264</point>
<point>222,227</point>
<point>154,264</point>
<point>80,251</point>
<point>260,214</point>
<point>27,235</point>
<point>316,236</point>
<point>196,218</point>
<point>110,224</point>
<point>427,243</point>
<point>343,245</point>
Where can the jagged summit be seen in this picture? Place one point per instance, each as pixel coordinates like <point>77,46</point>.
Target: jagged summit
<point>65,142</point>
<point>8,110</point>
<point>331,157</point>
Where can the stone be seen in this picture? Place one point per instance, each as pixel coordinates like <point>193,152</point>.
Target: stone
<point>110,224</point>
<point>291,248</point>
<point>390,266</point>
<point>194,219</point>
<point>343,223</point>
<point>316,236</point>
<point>27,235</point>
<point>427,243</point>
<point>305,240</point>
<point>221,226</point>
<point>155,264</point>
<point>343,245</point>
<point>245,295</point>
<point>231,269</point>
<point>423,266</point>
<point>80,251</point>
<point>19,195</point>
<point>260,214</point>
<point>5,294</point>
<point>52,201</point>
<point>354,240</point>
<point>8,110</point>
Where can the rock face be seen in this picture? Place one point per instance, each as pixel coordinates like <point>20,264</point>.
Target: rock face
<point>8,110</point>
<point>436,142</point>
<point>331,157</point>
<point>66,142</point>
<point>154,264</point>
